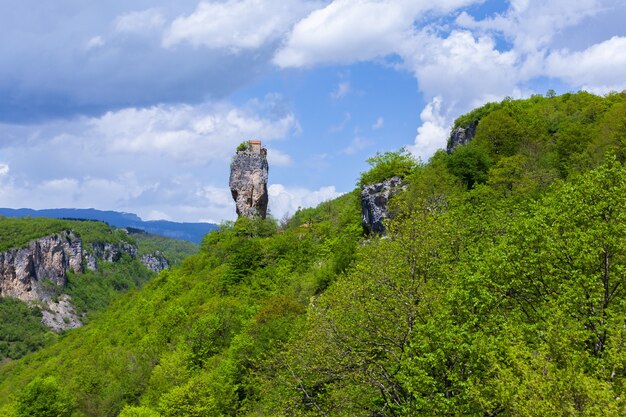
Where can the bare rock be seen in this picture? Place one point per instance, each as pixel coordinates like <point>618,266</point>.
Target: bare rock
<point>60,315</point>
<point>28,273</point>
<point>374,199</point>
<point>248,180</point>
<point>155,261</point>
<point>461,136</point>
<point>111,252</point>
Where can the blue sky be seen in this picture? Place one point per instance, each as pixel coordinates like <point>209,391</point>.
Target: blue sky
<point>138,105</point>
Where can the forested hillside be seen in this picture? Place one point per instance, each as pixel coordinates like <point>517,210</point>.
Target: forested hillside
<point>91,290</point>
<point>498,290</point>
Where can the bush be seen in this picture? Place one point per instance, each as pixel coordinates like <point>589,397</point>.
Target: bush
<point>388,165</point>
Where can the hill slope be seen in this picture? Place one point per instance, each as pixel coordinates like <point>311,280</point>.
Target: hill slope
<point>498,291</point>
<point>192,232</point>
<point>68,271</point>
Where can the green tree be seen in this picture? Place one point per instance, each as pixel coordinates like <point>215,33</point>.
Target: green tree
<point>470,163</point>
<point>43,397</point>
<point>387,165</point>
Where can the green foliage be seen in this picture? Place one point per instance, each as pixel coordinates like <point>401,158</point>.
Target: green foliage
<point>21,330</point>
<point>470,163</point>
<point>498,290</point>
<point>93,291</point>
<point>43,397</point>
<point>138,412</point>
<point>473,117</point>
<point>242,146</point>
<point>387,165</point>
<point>17,233</point>
<point>174,250</point>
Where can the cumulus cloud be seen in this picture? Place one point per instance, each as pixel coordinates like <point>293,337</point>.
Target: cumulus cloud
<point>161,161</point>
<point>378,124</point>
<point>187,134</point>
<point>236,24</point>
<point>433,133</point>
<point>286,200</point>
<point>599,68</point>
<point>346,31</point>
<point>532,24</point>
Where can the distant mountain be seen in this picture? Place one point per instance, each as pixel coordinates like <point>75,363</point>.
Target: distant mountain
<point>192,232</point>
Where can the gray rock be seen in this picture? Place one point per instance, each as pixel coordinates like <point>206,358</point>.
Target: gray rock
<point>461,136</point>
<point>28,273</point>
<point>60,315</point>
<point>37,273</point>
<point>111,252</point>
<point>248,181</point>
<point>374,200</point>
<point>155,261</point>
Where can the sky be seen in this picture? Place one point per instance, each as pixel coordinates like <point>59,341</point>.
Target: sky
<point>138,105</point>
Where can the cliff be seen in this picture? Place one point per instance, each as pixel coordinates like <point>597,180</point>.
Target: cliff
<point>248,180</point>
<point>30,273</point>
<point>461,136</point>
<point>37,273</point>
<point>374,199</point>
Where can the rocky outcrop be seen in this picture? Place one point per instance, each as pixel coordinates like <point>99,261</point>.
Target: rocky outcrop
<point>32,273</point>
<point>461,136</point>
<point>155,261</point>
<point>248,180</point>
<point>37,274</point>
<point>108,252</point>
<point>60,314</point>
<point>374,200</point>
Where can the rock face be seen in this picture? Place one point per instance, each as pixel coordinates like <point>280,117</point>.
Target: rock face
<point>374,200</point>
<point>30,273</point>
<point>461,136</point>
<point>38,273</point>
<point>108,252</point>
<point>248,180</point>
<point>155,261</point>
<point>60,314</point>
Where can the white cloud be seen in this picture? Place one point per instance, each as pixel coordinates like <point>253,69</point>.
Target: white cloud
<point>433,133</point>
<point>378,124</point>
<point>286,200</point>
<point>278,158</point>
<point>94,43</point>
<point>156,215</point>
<point>599,68</point>
<point>462,69</point>
<point>236,24</point>
<point>357,145</point>
<point>343,88</point>
<point>139,21</point>
<point>346,31</point>
<point>532,24</point>
<point>188,134</point>
<point>158,162</point>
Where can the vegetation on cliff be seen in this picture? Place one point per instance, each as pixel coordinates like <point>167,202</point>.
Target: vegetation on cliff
<point>497,291</point>
<point>21,330</point>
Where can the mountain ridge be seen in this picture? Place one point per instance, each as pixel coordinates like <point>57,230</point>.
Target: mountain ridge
<point>189,231</point>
